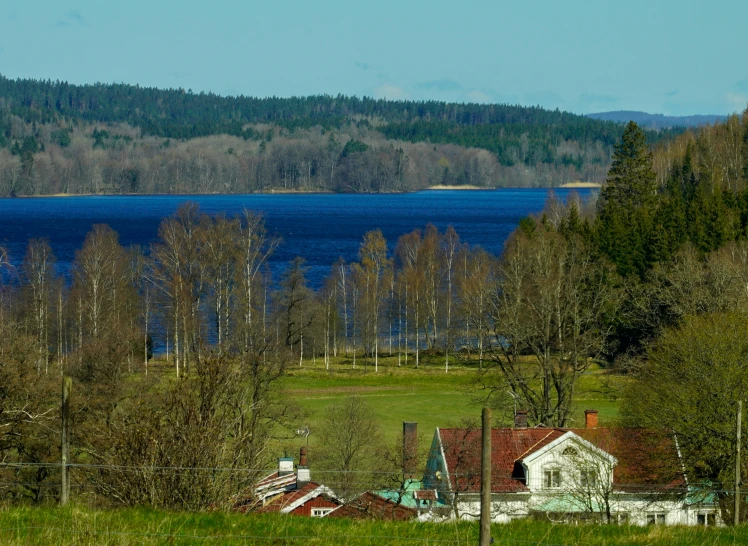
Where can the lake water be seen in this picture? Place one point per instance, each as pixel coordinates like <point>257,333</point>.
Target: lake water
<point>319,227</point>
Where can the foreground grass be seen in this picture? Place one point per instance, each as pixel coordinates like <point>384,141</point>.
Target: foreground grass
<point>79,526</point>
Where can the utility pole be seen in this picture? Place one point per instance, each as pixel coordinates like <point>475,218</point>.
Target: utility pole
<point>737,464</point>
<point>67,386</point>
<point>485,481</point>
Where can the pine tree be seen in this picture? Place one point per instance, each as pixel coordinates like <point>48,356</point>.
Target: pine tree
<point>628,203</point>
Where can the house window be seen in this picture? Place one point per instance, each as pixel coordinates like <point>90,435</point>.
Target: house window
<point>587,478</point>
<point>319,512</point>
<point>552,478</point>
<point>655,519</point>
<point>570,452</point>
<point>621,518</point>
<point>708,518</point>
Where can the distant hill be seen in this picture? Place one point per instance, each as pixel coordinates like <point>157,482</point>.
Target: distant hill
<point>657,121</point>
<point>58,137</point>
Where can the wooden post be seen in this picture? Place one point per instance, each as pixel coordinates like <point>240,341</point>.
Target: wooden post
<point>67,386</point>
<point>737,464</point>
<point>485,481</point>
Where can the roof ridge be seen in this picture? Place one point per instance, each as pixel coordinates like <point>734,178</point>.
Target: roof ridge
<point>529,450</point>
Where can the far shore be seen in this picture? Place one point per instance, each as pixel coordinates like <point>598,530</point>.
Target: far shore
<point>282,191</point>
<point>465,187</point>
<point>580,185</point>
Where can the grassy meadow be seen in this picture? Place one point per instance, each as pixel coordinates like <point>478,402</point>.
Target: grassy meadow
<point>426,395</point>
<point>83,526</point>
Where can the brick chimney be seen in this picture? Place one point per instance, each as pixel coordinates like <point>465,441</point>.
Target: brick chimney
<point>520,419</point>
<point>410,450</point>
<point>590,418</point>
<point>303,476</point>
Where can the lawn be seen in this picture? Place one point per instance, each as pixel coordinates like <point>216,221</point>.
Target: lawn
<point>426,395</point>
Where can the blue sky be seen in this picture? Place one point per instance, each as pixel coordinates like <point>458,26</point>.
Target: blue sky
<point>672,57</point>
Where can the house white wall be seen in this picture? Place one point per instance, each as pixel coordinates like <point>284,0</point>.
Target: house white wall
<point>573,494</point>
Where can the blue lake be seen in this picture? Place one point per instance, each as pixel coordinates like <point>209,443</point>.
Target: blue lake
<point>319,227</point>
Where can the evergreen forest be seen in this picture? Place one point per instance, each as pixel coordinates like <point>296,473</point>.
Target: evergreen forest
<point>57,137</point>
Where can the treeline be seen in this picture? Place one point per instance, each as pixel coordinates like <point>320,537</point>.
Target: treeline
<point>117,160</point>
<point>49,127</point>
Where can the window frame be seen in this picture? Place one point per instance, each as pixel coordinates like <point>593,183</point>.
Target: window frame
<point>552,478</point>
<point>656,518</point>
<point>321,512</point>
<point>587,478</point>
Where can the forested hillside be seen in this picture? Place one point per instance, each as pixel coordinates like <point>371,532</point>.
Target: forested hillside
<point>657,121</point>
<point>57,137</point>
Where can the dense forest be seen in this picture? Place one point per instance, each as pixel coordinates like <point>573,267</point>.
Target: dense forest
<point>57,137</point>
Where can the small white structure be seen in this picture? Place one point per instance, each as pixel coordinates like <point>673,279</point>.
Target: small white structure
<point>610,474</point>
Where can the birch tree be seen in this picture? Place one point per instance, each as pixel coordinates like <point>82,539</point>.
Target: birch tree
<point>550,302</point>
<point>38,269</point>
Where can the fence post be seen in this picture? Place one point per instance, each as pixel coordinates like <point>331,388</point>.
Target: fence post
<point>67,386</point>
<point>485,481</point>
<point>737,464</point>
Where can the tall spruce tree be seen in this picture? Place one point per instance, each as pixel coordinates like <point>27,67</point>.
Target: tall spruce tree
<point>627,205</point>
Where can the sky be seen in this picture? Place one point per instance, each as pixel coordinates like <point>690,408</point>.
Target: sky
<point>675,57</point>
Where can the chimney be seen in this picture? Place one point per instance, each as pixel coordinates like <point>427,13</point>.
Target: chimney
<point>590,418</point>
<point>520,419</point>
<point>285,466</point>
<point>410,450</point>
<point>303,476</point>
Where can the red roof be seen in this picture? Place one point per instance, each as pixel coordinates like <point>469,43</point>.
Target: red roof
<point>286,499</point>
<point>372,506</point>
<point>645,457</point>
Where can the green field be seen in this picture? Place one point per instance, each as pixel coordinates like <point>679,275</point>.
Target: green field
<point>426,395</point>
<point>82,526</point>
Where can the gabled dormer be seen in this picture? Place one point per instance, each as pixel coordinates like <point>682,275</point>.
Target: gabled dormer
<point>567,462</point>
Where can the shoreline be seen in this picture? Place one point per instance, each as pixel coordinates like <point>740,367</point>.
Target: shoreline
<point>281,191</point>
<point>444,187</point>
<point>580,185</point>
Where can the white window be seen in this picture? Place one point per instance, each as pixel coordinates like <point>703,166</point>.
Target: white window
<point>319,512</point>
<point>621,518</point>
<point>656,519</point>
<point>706,518</point>
<point>570,452</point>
<point>552,478</point>
<point>587,478</point>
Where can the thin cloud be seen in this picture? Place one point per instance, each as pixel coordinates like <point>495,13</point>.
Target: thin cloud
<point>546,99</point>
<point>73,17</point>
<point>478,96</point>
<point>390,92</point>
<point>13,15</point>
<point>737,101</point>
<point>597,98</point>
<point>742,85</point>
<point>362,66</point>
<point>444,84</point>
<point>672,93</point>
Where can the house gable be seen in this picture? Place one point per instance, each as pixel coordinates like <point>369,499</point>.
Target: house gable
<point>567,462</point>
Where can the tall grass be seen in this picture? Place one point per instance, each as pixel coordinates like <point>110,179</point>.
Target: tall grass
<point>79,526</point>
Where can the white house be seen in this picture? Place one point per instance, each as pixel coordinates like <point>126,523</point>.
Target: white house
<point>622,475</point>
